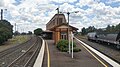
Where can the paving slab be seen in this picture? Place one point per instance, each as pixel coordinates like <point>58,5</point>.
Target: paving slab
<point>63,59</point>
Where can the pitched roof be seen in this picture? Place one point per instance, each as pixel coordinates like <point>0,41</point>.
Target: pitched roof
<point>65,25</point>
<point>54,16</point>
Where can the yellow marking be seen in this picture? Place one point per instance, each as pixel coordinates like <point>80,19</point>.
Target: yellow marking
<point>48,56</point>
<point>95,57</point>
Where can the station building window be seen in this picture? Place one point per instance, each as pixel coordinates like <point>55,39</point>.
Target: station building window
<point>64,35</point>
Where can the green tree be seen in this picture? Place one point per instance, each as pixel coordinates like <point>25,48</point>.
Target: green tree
<point>5,31</point>
<point>90,29</point>
<point>16,33</point>
<point>117,28</point>
<point>38,31</point>
<point>29,33</point>
<point>112,28</point>
<point>23,33</point>
<point>108,28</point>
<point>83,31</point>
<point>99,30</point>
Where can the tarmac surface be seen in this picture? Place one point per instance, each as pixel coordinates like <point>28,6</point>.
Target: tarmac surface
<point>55,58</point>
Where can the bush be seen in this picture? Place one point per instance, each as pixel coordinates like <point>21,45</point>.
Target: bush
<point>63,46</point>
<point>76,49</point>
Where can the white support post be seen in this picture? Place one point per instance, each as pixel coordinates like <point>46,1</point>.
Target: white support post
<point>69,44</point>
<point>69,33</point>
<point>72,43</point>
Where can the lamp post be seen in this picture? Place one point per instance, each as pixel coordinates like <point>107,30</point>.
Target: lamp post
<point>68,13</point>
<point>15,33</point>
<point>68,33</point>
<point>2,14</point>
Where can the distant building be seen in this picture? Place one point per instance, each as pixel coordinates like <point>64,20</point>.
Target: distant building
<point>59,27</point>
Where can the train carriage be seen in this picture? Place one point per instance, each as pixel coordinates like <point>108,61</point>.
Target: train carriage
<point>92,36</point>
<point>110,38</point>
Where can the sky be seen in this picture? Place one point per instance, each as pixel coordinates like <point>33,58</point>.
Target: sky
<point>32,14</point>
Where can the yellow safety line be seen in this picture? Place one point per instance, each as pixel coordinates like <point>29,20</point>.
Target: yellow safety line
<point>48,56</point>
<point>95,56</point>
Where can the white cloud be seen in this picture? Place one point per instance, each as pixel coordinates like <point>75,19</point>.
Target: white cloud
<point>112,1</point>
<point>104,15</point>
<point>30,14</point>
<point>86,2</point>
<point>64,1</point>
<point>1,3</point>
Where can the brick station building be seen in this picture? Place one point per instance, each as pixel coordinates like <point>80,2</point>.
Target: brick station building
<point>59,27</point>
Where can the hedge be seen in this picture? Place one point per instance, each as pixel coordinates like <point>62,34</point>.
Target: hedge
<point>63,46</point>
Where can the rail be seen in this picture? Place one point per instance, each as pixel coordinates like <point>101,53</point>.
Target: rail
<point>23,57</point>
<point>39,60</point>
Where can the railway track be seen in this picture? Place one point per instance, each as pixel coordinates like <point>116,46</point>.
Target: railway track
<point>9,55</point>
<point>5,52</point>
<point>25,59</point>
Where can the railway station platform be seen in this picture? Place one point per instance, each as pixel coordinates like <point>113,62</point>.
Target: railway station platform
<point>54,58</point>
